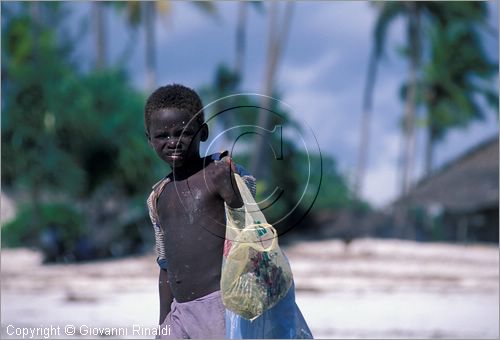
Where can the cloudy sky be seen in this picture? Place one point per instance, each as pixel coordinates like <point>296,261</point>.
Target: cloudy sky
<point>321,75</point>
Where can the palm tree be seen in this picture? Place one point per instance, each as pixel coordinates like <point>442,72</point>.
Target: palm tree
<point>409,118</point>
<point>417,14</point>
<point>149,20</point>
<point>240,38</point>
<point>98,12</point>
<point>145,12</point>
<point>240,41</point>
<point>412,11</point>
<point>277,36</point>
<point>458,73</point>
<point>387,11</point>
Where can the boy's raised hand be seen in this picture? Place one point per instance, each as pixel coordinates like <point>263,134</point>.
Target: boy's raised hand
<point>222,174</point>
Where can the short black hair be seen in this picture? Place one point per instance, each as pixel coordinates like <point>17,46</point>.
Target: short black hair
<point>174,96</point>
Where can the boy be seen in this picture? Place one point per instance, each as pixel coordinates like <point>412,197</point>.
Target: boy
<point>189,221</point>
<point>191,212</point>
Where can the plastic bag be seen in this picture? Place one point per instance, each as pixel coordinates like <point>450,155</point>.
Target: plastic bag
<point>255,273</point>
<point>283,321</point>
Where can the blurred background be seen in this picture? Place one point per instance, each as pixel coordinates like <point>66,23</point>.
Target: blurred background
<point>387,180</point>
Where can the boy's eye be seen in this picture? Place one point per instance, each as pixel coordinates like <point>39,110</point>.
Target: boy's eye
<point>177,134</point>
<point>162,136</point>
<point>183,133</point>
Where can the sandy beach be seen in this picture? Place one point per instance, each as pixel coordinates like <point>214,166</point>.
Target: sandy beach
<point>372,289</point>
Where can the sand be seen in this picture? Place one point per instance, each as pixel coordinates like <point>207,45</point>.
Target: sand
<point>371,289</point>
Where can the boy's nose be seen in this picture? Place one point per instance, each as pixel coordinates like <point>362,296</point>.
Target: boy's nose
<point>172,143</point>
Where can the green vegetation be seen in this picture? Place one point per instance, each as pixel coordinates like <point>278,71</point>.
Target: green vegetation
<point>68,137</point>
<point>57,230</point>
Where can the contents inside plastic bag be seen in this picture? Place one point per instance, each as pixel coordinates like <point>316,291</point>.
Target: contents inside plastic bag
<point>255,274</point>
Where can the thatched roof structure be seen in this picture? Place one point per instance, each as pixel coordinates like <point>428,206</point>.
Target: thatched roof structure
<point>466,184</point>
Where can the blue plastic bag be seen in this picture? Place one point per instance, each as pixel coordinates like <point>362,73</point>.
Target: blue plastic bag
<point>283,321</point>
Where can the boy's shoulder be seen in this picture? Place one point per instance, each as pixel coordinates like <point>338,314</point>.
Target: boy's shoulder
<point>220,161</point>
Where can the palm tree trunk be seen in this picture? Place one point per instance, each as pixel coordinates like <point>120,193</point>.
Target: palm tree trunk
<point>35,9</point>
<point>276,42</point>
<point>150,41</point>
<point>428,156</point>
<point>429,151</point>
<point>36,20</point>
<point>240,39</point>
<point>100,34</point>
<point>411,96</point>
<point>365,125</point>
<point>229,120</point>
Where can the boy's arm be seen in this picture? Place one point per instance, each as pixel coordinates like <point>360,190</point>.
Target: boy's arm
<point>165,293</point>
<point>166,296</point>
<point>225,183</point>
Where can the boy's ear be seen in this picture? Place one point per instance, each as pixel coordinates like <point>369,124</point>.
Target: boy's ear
<point>204,132</point>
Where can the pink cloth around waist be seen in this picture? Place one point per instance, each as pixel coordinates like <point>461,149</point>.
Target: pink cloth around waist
<point>201,318</point>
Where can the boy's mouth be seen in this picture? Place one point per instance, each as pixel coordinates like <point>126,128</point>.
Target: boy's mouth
<point>175,155</point>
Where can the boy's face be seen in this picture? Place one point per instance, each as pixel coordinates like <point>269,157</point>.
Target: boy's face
<point>176,136</point>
